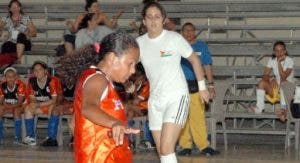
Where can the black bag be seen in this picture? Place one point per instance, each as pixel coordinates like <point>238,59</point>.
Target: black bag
<point>295,109</point>
<point>193,86</point>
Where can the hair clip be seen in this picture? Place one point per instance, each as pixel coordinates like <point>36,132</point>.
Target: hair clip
<point>97,47</point>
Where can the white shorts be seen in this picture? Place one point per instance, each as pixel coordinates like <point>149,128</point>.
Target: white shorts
<point>169,109</point>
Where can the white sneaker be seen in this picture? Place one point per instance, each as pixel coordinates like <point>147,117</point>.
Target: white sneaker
<point>30,141</point>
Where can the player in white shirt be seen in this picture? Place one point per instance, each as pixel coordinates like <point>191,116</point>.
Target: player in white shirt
<point>283,68</point>
<point>160,53</point>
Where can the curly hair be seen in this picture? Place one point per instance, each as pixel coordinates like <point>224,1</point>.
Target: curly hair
<point>70,67</point>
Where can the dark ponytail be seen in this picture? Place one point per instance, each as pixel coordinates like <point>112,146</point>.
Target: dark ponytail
<point>88,4</point>
<point>84,22</point>
<point>72,66</point>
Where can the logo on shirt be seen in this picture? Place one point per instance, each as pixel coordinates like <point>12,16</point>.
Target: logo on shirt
<point>165,53</point>
<point>42,98</point>
<point>118,105</point>
<point>11,101</point>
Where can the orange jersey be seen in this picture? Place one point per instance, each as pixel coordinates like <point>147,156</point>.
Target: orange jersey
<point>93,144</point>
<point>42,94</point>
<point>143,95</point>
<point>58,84</point>
<point>11,96</point>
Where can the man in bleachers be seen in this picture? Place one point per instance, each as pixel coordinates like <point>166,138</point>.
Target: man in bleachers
<point>195,128</point>
<point>12,96</point>
<point>42,90</point>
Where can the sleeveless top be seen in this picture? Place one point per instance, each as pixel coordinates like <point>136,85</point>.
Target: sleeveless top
<point>93,143</point>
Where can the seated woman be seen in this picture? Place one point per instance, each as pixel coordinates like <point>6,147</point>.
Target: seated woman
<point>91,32</point>
<point>92,6</point>
<point>283,68</point>
<point>12,95</point>
<point>65,105</point>
<point>20,28</point>
<point>42,90</point>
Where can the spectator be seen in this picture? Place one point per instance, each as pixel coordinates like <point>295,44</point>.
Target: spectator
<point>20,28</point>
<point>42,90</point>
<point>195,127</point>
<point>92,6</point>
<point>12,96</point>
<point>65,105</point>
<point>91,32</point>
<point>137,89</point>
<point>283,68</point>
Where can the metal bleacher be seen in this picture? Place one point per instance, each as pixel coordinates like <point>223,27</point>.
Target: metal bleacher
<point>232,28</point>
<point>239,33</point>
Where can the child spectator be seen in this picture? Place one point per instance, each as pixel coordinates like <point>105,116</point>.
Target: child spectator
<point>12,96</point>
<point>43,91</point>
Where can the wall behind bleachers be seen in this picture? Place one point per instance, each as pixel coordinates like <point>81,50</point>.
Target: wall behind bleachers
<point>214,14</point>
<point>54,1</point>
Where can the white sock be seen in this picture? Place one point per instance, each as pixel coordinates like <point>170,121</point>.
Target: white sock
<point>170,158</point>
<point>282,100</point>
<point>260,100</point>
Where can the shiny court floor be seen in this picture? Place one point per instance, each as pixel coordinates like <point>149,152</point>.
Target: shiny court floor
<point>254,149</point>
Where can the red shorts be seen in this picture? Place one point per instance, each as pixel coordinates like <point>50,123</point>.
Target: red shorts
<point>6,58</point>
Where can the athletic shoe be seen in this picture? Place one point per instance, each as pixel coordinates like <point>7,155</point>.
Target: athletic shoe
<point>30,141</point>
<point>208,151</point>
<point>184,152</point>
<point>50,142</point>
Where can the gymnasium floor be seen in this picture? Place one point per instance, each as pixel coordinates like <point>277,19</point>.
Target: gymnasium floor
<point>242,149</point>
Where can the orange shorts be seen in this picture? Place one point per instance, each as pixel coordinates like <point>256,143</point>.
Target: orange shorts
<point>44,109</point>
<point>68,105</point>
<point>11,110</point>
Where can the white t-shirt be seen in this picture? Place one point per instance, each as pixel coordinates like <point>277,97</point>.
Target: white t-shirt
<point>161,59</point>
<point>84,37</point>
<point>286,63</point>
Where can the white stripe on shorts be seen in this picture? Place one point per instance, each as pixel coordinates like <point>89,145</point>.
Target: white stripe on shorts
<point>183,110</point>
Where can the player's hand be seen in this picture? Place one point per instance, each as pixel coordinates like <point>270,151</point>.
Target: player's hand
<point>212,92</point>
<point>204,95</point>
<point>119,130</point>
